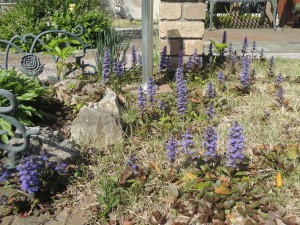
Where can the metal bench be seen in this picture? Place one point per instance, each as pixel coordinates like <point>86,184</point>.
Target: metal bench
<point>213,2</point>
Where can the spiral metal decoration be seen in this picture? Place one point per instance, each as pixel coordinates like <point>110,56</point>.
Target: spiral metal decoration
<point>32,65</point>
<point>10,150</point>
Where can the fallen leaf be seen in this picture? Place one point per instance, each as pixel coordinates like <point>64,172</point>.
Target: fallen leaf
<point>193,100</point>
<point>170,200</point>
<point>154,166</point>
<point>127,222</point>
<point>278,180</point>
<point>223,190</point>
<point>189,176</point>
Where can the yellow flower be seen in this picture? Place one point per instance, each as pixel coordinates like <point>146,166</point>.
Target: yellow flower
<point>72,7</point>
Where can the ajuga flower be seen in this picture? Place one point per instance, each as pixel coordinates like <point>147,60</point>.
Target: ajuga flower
<point>279,79</point>
<point>118,69</point>
<point>210,90</point>
<point>151,88</point>
<point>210,111</point>
<point>133,57</point>
<point>221,78</point>
<point>197,60</point>
<point>253,46</point>
<point>131,163</point>
<point>271,63</point>
<point>230,49</point>
<point>106,67</point>
<point>180,59</point>
<point>142,100</point>
<point>210,143</point>
<point>187,143</point>
<point>236,145</point>
<point>189,64</point>
<point>164,60</point>
<point>279,95</point>
<point>245,46</point>
<point>182,91</point>
<point>171,147</point>
<point>244,77</point>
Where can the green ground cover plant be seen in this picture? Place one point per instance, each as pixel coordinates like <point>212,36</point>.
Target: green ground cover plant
<point>222,147</point>
<point>34,17</point>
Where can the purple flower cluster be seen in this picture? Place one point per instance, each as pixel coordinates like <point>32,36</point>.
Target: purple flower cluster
<point>142,100</point>
<point>210,90</point>
<point>190,64</point>
<point>210,111</point>
<point>280,95</point>
<point>180,59</point>
<point>279,79</point>
<point>230,49</point>
<point>224,39</point>
<point>151,88</point>
<point>187,143</point>
<point>171,147</point>
<point>118,68</point>
<point>134,57</point>
<point>181,89</point>
<point>245,46</point>
<point>197,60</point>
<point>236,145</point>
<point>31,170</point>
<point>244,77</point>
<point>271,63</point>
<point>164,62</point>
<point>106,67</point>
<point>221,78</point>
<point>210,143</point>
<point>140,59</point>
<point>131,163</point>
<point>253,75</point>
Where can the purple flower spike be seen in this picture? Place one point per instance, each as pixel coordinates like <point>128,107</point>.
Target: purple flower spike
<point>253,46</point>
<point>210,91</point>
<point>210,112</point>
<point>245,46</point>
<point>142,100</point>
<point>190,64</point>
<point>151,88</point>
<point>245,76</point>
<point>182,91</point>
<point>164,60</point>
<point>187,143</point>
<point>134,57</point>
<point>221,78</point>
<point>230,49</point>
<point>236,145</point>
<point>171,148</point>
<point>180,59</point>
<point>280,95</point>
<point>279,79</point>
<point>210,143</point>
<point>271,63</point>
<point>106,67</point>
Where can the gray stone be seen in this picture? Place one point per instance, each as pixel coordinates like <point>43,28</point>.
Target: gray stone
<point>109,103</point>
<point>96,128</point>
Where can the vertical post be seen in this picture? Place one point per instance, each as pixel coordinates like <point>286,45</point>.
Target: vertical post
<point>147,38</point>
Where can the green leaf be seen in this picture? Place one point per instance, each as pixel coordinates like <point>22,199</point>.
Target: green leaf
<point>201,185</point>
<point>27,96</point>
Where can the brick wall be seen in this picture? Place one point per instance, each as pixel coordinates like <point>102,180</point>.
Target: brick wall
<point>182,26</point>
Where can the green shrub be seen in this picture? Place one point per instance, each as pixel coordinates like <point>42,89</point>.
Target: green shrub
<point>36,16</point>
<point>29,93</point>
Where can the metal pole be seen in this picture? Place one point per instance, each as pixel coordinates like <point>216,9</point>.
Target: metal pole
<point>147,38</point>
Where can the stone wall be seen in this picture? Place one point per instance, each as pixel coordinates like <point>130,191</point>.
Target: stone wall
<point>182,26</point>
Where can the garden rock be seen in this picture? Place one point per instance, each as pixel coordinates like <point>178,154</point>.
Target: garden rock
<point>99,125</point>
<point>74,91</point>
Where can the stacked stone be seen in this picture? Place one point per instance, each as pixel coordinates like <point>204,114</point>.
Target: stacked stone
<point>182,26</point>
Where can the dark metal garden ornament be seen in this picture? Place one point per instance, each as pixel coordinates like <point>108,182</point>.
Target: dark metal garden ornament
<point>5,112</point>
<point>30,63</point>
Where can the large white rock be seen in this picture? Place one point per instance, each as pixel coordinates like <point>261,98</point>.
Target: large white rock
<point>99,126</point>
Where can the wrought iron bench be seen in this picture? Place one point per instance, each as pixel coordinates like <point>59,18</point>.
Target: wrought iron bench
<point>213,2</point>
